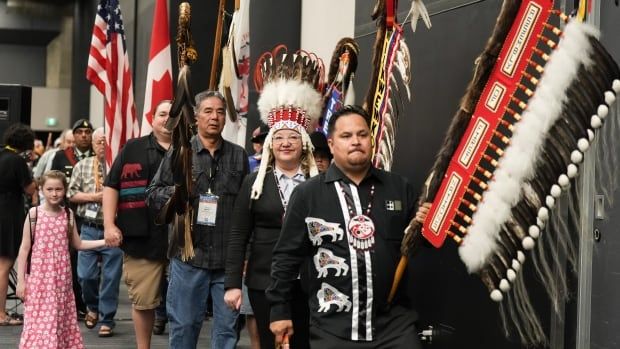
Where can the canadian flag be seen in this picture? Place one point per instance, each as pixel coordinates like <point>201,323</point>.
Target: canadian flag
<point>159,71</point>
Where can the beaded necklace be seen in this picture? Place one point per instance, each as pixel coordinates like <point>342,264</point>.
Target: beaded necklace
<point>360,227</point>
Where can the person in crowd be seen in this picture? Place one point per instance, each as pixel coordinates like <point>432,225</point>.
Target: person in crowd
<point>218,169</point>
<point>15,181</point>
<point>64,160</point>
<point>321,153</point>
<point>127,220</point>
<point>45,162</point>
<point>86,191</point>
<point>258,138</point>
<point>341,225</point>
<point>259,221</point>
<point>37,151</point>
<point>43,270</point>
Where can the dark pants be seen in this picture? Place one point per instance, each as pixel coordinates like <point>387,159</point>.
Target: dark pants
<point>300,314</point>
<point>395,330</point>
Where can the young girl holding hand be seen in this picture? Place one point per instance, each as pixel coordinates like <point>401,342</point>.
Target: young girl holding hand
<point>50,319</point>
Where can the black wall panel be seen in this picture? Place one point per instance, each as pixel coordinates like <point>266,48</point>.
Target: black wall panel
<point>15,103</point>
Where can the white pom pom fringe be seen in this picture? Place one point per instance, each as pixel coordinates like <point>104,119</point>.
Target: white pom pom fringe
<point>516,265</point>
<point>610,97</point>
<point>534,231</point>
<point>512,276</point>
<point>504,285</point>
<point>571,170</point>
<point>550,201</point>
<point>528,243</point>
<point>563,181</point>
<point>521,256</point>
<point>556,191</point>
<point>602,111</point>
<point>583,144</point>
<point>616,85</point>
<point>576,156</point>
<point>543,213</point>
<point>590,135</point>
<point>496,296</point>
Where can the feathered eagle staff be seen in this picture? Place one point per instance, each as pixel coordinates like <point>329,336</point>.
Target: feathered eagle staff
<point>339,86</point>
<point>236,72</point>
<point>178,209</point>
<point>390,53</point>
<point>538,96</point>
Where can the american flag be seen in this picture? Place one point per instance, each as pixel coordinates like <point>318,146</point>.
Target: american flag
<point>108,70</point>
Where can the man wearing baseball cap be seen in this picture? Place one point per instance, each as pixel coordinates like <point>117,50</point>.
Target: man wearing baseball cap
<point>64,160</point>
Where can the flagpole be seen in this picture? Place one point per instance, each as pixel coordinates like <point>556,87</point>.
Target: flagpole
<point>217,45</point>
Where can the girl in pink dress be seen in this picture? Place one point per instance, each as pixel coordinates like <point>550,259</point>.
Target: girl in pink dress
<point>44,270</point>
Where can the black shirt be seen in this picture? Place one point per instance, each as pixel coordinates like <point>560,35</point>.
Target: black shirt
<point>132,170</point>
<point>347,287</point>
<point>65,164</point>
<point>222,173</point>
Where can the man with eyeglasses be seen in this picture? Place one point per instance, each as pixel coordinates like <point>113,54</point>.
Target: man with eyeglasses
<point>99,270</point>
<point>218,170</point>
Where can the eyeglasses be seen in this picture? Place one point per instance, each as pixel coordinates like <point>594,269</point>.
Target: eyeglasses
<point>290,139</point>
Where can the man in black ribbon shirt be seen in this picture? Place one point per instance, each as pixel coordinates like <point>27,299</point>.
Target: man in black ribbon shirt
<point>346,226</point>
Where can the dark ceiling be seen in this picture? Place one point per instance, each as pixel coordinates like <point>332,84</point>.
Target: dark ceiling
<point>32,22</point>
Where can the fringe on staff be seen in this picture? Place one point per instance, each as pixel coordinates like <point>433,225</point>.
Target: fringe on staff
<point>570,102</point>
<point>484,65</point>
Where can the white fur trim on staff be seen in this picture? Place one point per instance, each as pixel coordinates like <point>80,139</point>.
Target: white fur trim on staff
<point>517,164</point>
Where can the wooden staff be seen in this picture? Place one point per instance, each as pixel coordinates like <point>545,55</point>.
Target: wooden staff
<point>217,45</point>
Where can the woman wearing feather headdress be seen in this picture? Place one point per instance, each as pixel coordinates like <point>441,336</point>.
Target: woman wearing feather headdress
<point>289,104</point>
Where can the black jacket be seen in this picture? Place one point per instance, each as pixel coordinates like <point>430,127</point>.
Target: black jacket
<point>257,222</point>
<point>347,288</point>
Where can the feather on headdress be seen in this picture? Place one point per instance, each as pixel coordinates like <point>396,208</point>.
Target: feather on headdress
<point>289,85</point>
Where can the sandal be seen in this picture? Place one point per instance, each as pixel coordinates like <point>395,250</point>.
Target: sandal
<point>105,331</point>
<point>9,321</point>
<point>90,320</point>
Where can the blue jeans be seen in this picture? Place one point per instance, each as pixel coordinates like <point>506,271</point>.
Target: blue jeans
<point>104,300</point>
<point>188,290</point>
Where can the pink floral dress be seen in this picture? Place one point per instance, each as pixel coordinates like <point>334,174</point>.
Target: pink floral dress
<point>50,319</point>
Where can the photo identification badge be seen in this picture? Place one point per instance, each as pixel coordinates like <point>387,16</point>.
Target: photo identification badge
<point>91,210</point>
<point>207,209</point>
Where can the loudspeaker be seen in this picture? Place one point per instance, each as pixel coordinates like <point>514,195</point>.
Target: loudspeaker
<point>15,104</point>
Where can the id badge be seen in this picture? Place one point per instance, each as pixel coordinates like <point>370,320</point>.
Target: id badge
<point>207,209</point>
<point>91,210</point>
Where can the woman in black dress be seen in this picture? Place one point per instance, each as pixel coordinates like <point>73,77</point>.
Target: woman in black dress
<point>15,180</point>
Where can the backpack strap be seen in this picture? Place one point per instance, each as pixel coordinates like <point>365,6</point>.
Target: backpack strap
<point>33,225</point>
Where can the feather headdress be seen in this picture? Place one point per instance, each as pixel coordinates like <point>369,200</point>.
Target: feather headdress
<point>289,85</point>
<point>392,72</point>
<point>537,99</point>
